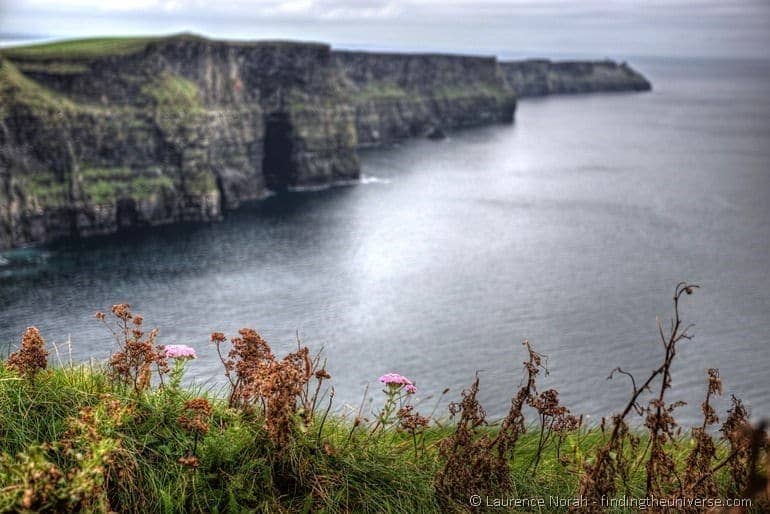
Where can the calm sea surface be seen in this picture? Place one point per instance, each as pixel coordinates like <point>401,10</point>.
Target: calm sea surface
<point>569,228</point>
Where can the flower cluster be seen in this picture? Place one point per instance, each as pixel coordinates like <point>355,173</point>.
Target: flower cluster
<point>179,351</point>
<point>196,416</point>
<point>195,419</point>
<point>410,420</point>
<point>137,352</point>
<point>396,381</point>
<point>256,376</point>
<point>31,356</point>
<point>278,384</point>
<point>241,365</point>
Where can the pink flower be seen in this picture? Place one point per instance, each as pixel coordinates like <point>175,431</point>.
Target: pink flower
<point>395,380</point>
<point>179,351</point>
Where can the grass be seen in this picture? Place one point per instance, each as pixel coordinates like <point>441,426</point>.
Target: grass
<point>380,91</point>
<point>105,185</point>
<point>239,468</point>
<point>53,68</point>
<point>173,92</point>
<point>80,48</point>
<point>45,190</point>
<point>15,87</point>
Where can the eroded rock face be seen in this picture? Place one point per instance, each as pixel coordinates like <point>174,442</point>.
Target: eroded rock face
<point>183,128</point>
<point>173,130</point>
<point>397,96</point>
<point>543,77</point>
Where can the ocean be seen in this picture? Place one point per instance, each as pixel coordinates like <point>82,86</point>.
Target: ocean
<point>569,228</point>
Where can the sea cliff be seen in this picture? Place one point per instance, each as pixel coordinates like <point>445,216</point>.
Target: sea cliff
<point>540,77</point>
<point>97,136</point>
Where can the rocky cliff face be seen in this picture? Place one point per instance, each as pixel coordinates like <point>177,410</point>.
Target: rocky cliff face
<point>177,130</point>
<point>396,96</point>
<point>543,77</point>
<point>94,140</point>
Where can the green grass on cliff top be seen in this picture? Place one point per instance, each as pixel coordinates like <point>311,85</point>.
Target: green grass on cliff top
<point>89,48</point>
<point>80,48</point>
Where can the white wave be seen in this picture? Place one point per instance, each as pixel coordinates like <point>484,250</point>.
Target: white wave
<point>370,179</point>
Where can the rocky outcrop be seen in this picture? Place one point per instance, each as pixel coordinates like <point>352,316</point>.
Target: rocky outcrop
<point>543,77</point>
<point>98,137</point>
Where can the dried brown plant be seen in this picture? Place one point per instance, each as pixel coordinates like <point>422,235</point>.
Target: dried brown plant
<point>554,419</point>
<point>599,476</point>
<point>195,419</point>
<point>699,481</point>
<point>246,354</point>
<point>411,422</point>
<point>137,353</point>
<point>475,462</point>
<point>662,477</point>
<point>280,387</point>
<point>734,431</point>
<point>468,466</point>
<point>750,446</point>
<point>31,356</point>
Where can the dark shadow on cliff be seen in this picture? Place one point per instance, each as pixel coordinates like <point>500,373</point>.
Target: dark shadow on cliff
<point>277,161</point>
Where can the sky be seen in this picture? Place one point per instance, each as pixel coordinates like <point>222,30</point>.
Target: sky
<point>506,28</point>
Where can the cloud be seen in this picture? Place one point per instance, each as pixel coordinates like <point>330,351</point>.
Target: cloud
<point>596,27</point>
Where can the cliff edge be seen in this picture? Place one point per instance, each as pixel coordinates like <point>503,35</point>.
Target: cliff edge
<point>102,135</point>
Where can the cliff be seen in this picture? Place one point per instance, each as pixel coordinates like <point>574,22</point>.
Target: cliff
<point>397,96</point>
<point>102,135</point>
<point>175,129</point>
<point>543,77</point>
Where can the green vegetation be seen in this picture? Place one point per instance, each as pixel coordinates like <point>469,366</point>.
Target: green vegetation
<point>55,68</point>
<point>470,91</point>
<point>79,48</point>
<point>44,190</point>
<point>105,185</point>
<point>173,92</point>
<point>386,91</point>
<point>382,90</point>
<point>126,436</point>
<point>15,87</point>
<point>238,467</point>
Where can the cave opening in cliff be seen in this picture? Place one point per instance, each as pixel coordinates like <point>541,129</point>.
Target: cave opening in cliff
<point>277,164</point>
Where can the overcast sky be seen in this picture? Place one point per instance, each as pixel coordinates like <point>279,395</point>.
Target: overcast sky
<point>514,28</point>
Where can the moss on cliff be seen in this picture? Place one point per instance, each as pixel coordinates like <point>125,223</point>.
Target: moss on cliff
<point>202,182</point>
<point>381,90</point>
<point>43,191</point>
<point>18,89</point>
<point>174,94</point>
<point>105,185</point>
<point>476,90</point>
<point>54,68</point>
